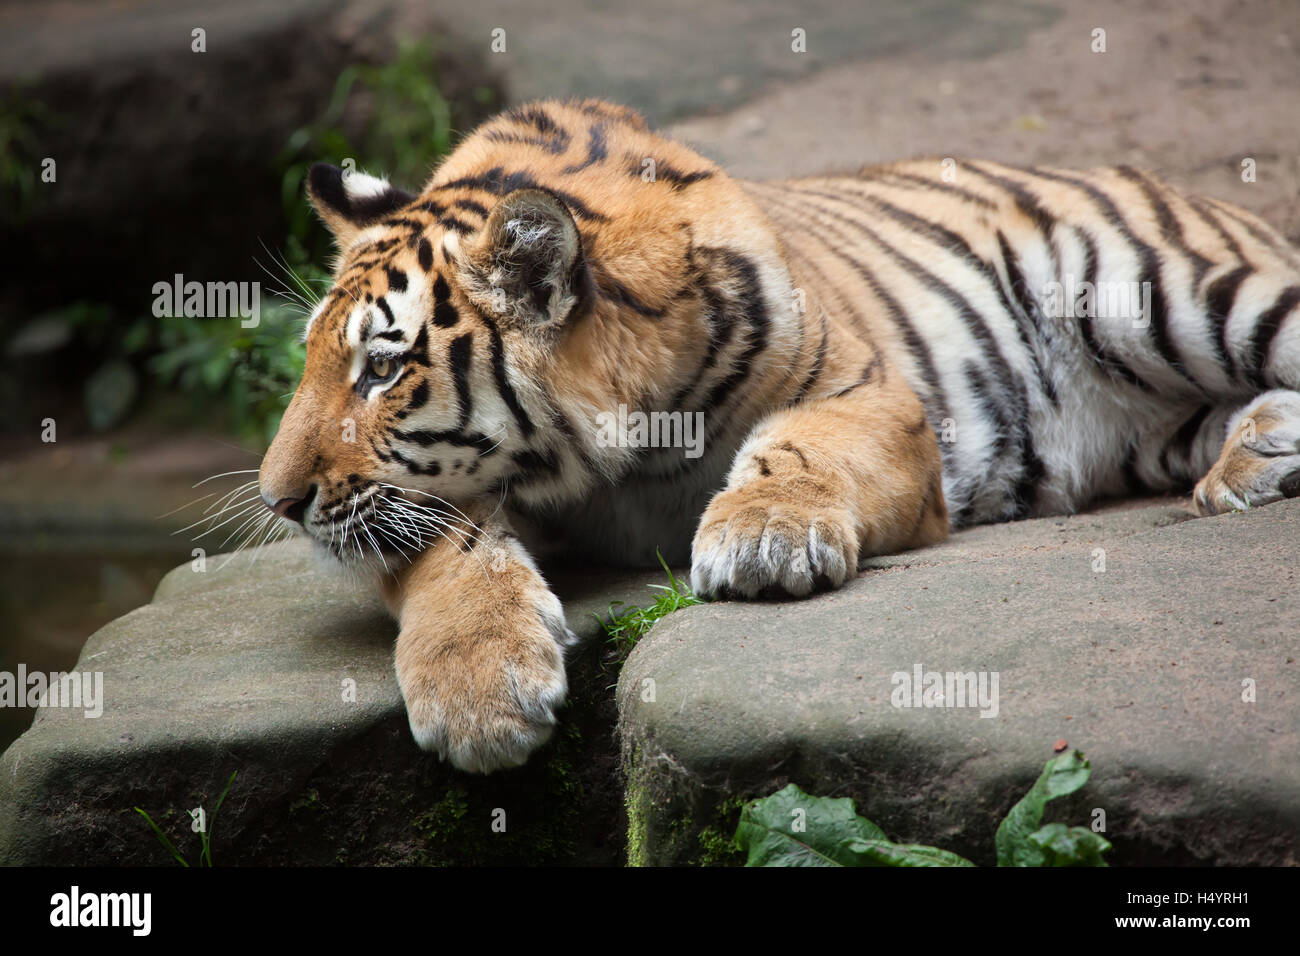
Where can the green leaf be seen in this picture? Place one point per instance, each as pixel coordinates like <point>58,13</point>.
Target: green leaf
<point>1061,776</point>
<point>1069,846</point>
<point>162,838</point>
<point>884,853</point>
<point>793,828</point>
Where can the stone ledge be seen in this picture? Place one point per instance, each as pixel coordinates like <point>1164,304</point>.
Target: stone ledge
<point>1140,666</point>
<point>239,668</point>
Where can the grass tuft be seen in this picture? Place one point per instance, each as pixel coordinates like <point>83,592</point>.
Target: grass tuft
<point>627,625</point>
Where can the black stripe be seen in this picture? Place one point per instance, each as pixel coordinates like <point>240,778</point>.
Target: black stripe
<point>418,397</point>
<point>459,356</point>
<point>469,205</point>
<point>1025,200</point>
<point>667,173</point>
<point>875,367</point>
<point>504,387</point>
<point>936,185</point>
<point>396,279</point>
<point>750,305</point>
<point>1203,209</point>
<point>1012,388</point>
<point>433,468</point>
<point>617,292</point>
<point>597,151</point>
<point>1111,365</point>
<point>383,307</point>
<point>497,181</point>
<point>722,325</point>
<point>455,224</point>
<point>1266,328</point>
<point>1150,272</point>
<point>425,254</point>
<point>424,438</point>
<point>912,339</point>
<point>1219,300</point>
<point>1170,228</point>
<point>1024,320</point>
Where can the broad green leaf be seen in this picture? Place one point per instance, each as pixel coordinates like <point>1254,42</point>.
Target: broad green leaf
<point>793,828</point>
<point>1069,846</point>
<point>1061,776</point>
<point>878,853</point>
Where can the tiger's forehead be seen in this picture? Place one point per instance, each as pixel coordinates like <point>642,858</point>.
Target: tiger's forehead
<point>384,291</point>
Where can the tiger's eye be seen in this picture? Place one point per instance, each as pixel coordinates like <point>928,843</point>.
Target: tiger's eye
<point>381,367</point>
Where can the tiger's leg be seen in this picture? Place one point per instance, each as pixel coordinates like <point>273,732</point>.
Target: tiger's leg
<point>1260,459</point>
<point>480,651</point>
<point>816,486</point>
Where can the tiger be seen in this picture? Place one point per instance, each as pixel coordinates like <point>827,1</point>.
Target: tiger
<point>875,359</point>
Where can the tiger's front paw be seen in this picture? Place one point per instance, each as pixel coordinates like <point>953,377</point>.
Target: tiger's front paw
<point>1260,461</point>
<point>750,542</point>
<point>482,683</point>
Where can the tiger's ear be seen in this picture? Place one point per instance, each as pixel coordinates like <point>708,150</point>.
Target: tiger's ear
<point>351,200</point>
<point>526,264</point>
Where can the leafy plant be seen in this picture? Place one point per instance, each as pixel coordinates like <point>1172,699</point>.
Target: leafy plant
<point>409,128</point>
<point>22,119</point>
<point>625,627</point>
<point>793,828</point>
<point>205,835</point>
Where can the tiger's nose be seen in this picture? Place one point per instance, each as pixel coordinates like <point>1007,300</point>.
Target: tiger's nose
<point>294,509</point>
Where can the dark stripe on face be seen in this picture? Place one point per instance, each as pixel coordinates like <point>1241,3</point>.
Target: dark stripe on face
<point>424,438</point>
<point>451,222</point>
<point>433,468</point>
<point>383,307</point>
<point>469,205</point>
<point>418,397</point>
<point>419,352</point>
<point>1266,328</point>
<point>459,356</point>
<point>425,254</point>
<point>532,464</point>
<point>504,388</point>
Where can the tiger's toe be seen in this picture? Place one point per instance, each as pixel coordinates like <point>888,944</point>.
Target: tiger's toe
<point>747,549</point>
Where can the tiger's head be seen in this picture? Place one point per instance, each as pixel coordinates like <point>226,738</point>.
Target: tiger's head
<point>474,332</point>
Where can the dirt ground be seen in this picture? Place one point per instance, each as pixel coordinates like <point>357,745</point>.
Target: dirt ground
<point>1188,88</point>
